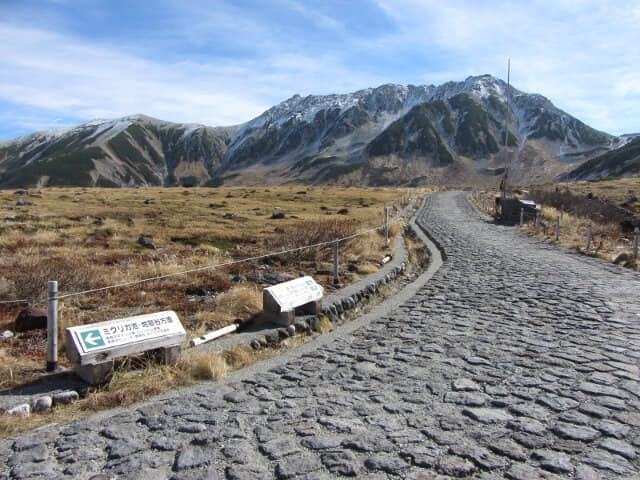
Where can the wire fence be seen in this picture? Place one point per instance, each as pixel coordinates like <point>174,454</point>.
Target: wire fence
<point>44,300</point>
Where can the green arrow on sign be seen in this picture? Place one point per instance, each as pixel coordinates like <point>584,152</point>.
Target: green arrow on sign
<point>92,339</point>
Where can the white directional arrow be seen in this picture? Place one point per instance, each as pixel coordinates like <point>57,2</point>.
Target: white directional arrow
<point>91,340</point>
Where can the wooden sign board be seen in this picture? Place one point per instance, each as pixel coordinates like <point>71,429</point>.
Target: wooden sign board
<point>100,342</point>
<point>294,293</point>
<point>281,300</point>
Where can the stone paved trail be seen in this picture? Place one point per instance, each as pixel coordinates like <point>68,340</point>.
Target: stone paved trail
<point>516,360</point>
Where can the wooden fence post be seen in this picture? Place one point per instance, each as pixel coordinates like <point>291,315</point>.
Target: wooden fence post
<point>558,228</point>
<point>386,226</point>
<point>538,221</point>
<point>589,234</point>
<point>635,243</point>
<point>336,274</point>
<point>521,216</point>
<point>52,326</point>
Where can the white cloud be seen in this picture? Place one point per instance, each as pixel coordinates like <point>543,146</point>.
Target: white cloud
<point>581,54</point>
<point>58,73</point>
<point>54,72</point>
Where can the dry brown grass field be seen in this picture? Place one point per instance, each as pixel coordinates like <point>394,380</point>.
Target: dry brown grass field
<point>89,239</point>
<point>604,203</point>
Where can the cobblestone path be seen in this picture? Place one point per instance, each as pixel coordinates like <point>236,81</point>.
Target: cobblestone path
<point>516,360</point>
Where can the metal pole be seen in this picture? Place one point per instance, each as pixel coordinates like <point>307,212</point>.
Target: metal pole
<point>386,226</point>
<point>52,326</point>
<point>589,234</point>
<point>336,276</point>
<point>503,183</point>
<point>635,243</point>
<point>558,228</point>
<point>521,216</point>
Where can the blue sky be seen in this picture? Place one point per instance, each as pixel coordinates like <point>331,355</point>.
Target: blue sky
<point>64,62</point>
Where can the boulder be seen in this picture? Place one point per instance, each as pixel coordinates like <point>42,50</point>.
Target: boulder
<point>30,318</point>
<point>622,258</point>
<point>63,398</point>
<point>42,404</point>
<point>22,410</point>
<point>146,242</point>
<point>275,277</point>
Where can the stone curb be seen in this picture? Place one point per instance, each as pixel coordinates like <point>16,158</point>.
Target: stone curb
<point>380,310</point>
<point>336,304</point>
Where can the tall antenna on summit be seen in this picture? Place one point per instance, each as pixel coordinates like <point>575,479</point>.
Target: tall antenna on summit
<point>503,183</point>
<point>506,120</point>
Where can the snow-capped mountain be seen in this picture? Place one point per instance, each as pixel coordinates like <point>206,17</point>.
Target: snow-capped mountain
<point>134,150</point>
<point>392,134</point>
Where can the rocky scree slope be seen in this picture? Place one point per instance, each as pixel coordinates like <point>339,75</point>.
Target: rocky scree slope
<point>393,134</point>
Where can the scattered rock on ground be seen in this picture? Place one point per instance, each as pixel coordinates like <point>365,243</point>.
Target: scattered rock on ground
<point>42,404</point>
<point>22,410</point>
<point>30,318</point>
<point>64,398</point>
<point>146,241</point>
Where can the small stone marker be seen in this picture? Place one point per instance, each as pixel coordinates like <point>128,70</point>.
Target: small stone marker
<point>280,301</point>
<point>93,347</point>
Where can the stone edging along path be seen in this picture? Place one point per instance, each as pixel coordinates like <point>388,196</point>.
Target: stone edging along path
<point>338,305</point>
<point>380,310</point>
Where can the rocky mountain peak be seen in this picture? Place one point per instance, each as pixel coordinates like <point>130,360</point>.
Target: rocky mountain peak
<point>390,134</point>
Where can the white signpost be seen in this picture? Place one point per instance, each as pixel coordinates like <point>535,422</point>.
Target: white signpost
<point>281,300</point>
<point>93,347</point>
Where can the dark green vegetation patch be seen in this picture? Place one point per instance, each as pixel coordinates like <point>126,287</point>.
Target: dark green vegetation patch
<point>415,134</point>
<point>62,169</point>
<point>474,136</point>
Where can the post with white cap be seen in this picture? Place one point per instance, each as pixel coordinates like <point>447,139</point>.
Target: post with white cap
<point>52,326</point>
<point>386,226</point>
<point>336,274</point>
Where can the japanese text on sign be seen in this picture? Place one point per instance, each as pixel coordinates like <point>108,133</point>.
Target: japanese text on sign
<point>98,336</point>
<point>294,293</point>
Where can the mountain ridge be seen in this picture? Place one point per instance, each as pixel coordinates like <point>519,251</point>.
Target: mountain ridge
<point>391,134</point>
